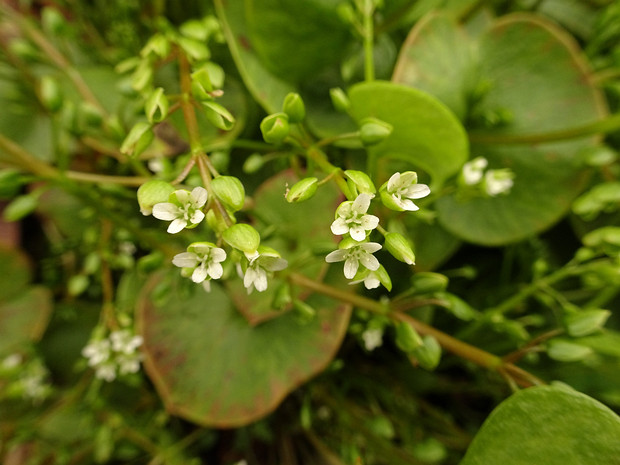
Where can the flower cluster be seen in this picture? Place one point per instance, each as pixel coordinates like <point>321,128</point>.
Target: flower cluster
<point>491,182</point>
<point>355,225</point>
<point>28,379</point>
<point>116,354</point>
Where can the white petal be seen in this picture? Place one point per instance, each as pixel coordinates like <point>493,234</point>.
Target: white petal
<point>260,283</point>
<point>206,285</point>
<point>182,196</point>
<point>369,222</point>
<point>361,203</point>
<point>197,217</point>
<point>358,233</point>
<point>350,268</point>
<point>218,255</point>
<point>339,227</point>
<point>275,264</point>
<point>199,196</point>
<point>249,277</point>
<point>370,247</point>
<point>370,262</point>
<point>394,182</point>
<point>165,211</point>
<point>336,256</point>
<point>408,205</point>
<point>417,191</point>
<point>371,282</point>
<point>215,270</point>
<point>176,226</point>
<point>185,260</point>
<point>199,274</point>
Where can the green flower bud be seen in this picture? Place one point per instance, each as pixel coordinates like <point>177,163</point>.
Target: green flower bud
<point>407,338</point>
<point>399,247</point>
<point>306,312</point>
<point>20,207</point>
<point>585,322</point>
<point>253,163</point>
<point>373,131</point>
<point>216,222</point>
<point>242,237</point>
<point>294,107</point>
<point>156,106</point>
<point>23,50</point>
<point>152,192</point>
<point>302,190</point>
<point>138,139</point>
<point>230,191</point>
<point>275,128</point>
<point>194,49</point>
<point>428,354</point>
<point>50,94</point>
<point>596,156</point>
<point>565,350</point>
<point>359,182</point>
<point>340,100</point>
<point>427,282</point>
<point>218,116</point>
<point>77,284</point>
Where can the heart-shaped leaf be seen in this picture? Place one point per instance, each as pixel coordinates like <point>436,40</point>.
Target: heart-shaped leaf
<point>547,425</point>
<point>212,367</point>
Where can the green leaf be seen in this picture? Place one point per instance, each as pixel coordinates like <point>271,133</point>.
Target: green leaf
<point>426,134</point>
<point>210,366</point>
<point>15,270</point>
<point>550,425</point>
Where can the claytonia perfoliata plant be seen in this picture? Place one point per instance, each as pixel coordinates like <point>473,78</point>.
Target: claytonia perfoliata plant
<point>116,354</point>
<point>183,209</point>
<point>401,190</point>
<point>351,218</point>
<point>201,262</point>
<point>490,182</point>
<point>260,263</point>
<point>353,253</point>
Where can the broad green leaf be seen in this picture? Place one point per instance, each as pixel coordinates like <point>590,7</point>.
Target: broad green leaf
<point>268,90</point>
<point>15,272</point>
<point>294,230</point>
<point>545,91</point>
<point>426,134</point>
<point>23,319</point>
<point>547,425</point>
<point>210,366</point>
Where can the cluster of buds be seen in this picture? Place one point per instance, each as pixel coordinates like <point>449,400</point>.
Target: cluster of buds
<point>116,354</point>
<point>490,182</point>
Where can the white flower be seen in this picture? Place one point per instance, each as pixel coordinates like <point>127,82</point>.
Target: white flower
<point>116,353</point>
<point>123,341</point>
<point>370,280</point>
<point>97,352</point>
<point>372,338</point>
<point>351,218</point>
<point>498,181</point>
<point>106,371</point>
<point>12,361</point>
<point>473,170</point>
<point>404,188</point>
<point>352,254</point>
<point>203,259</point>
<point>260,262</point>
<point>129,363</point>
<point>184,209</point>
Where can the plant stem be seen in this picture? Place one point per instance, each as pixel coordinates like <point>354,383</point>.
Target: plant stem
<point>610,124</point>
<point>369,65</point>
<point>449,343</point>
<point>316,155</point>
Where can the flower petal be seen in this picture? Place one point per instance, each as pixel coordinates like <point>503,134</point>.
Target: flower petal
<point>197,217</point>
<point>260,282</point>
<point>417,191</point>
<point>177,225</point>
<point>199,274</point>
<point>361,203</point>
<point>215,270</point>
<point>393,183</point>
<point>336,256</point>
<point>370,261</point>
<point>350,267</point>
<point>357,233</point>
<point>249,277</point>
<point>407,205</point>
<point>371,281</point>
<point>369,222</point>
<point>165,211</point>
<point>199,196</point>
<point>218,255</point>
<point>339,227</point>
<point>182,196</point>
<point>185,260</point>
<point>370,247</point>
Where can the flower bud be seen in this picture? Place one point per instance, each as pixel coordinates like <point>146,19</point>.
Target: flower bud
<point>50,94</point>
<point>428,354</point>
<point>20,207</point>
<point>218,116</point>
<point>156,106</point>
<point>138,139</point>
<point>275,128</point>
<point>427,282</point>
<point>230,191</point>
<point>359,182</point>
<point>565,350</point>
<point>339,99</point>
<point>242,237</point>
<point>585,322</point>
<point>306,312</point>
<point>152,192</point>
<point>294,107</point>
<point>399,247</point>
<point>302,190</point>
<point>253,163</point>
<point>373,131</point>
<point>407,338</point>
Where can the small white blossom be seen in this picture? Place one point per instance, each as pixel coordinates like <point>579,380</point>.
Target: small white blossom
<point>106,371</point>
<point>260,263</point>
<point>351,218</point>
<point>97,352</point>
<point>118,353</point>
<point>372,338</point>
<point>370,280</point>
<point>404,189</point>
<point>498,181</point>
<point>34,383</point>
<point>183,210</point>
<point>473,170</point>
<point>353,254</point>
<point>123,341</point>
<point>12,361</point>
<point>203,260</point>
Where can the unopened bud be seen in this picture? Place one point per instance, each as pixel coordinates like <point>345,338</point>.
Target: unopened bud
<point>156,106</point>
<point>242,237</point>
<point>151,193</point>
<point>230,191</point>
<point>399,247</point>
<point>407,338</point>
<point>339,99</point>
<point>275,128</point>
<point>50,94</point>
<point>428,354</point>
<point>359,182</point>
<point>253,163</point>
<point>294,107</point>
<point>219,116</point>
<point>427,282</point>
<point>302,190</point>
<point>373,131</point>
<point>585,322</point>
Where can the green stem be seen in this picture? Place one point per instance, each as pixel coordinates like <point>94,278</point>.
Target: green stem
<point>331,140</point>
<point>610,124</point>
<point>369,65</point>
<point>449,343</point>
<point>319,157</point>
